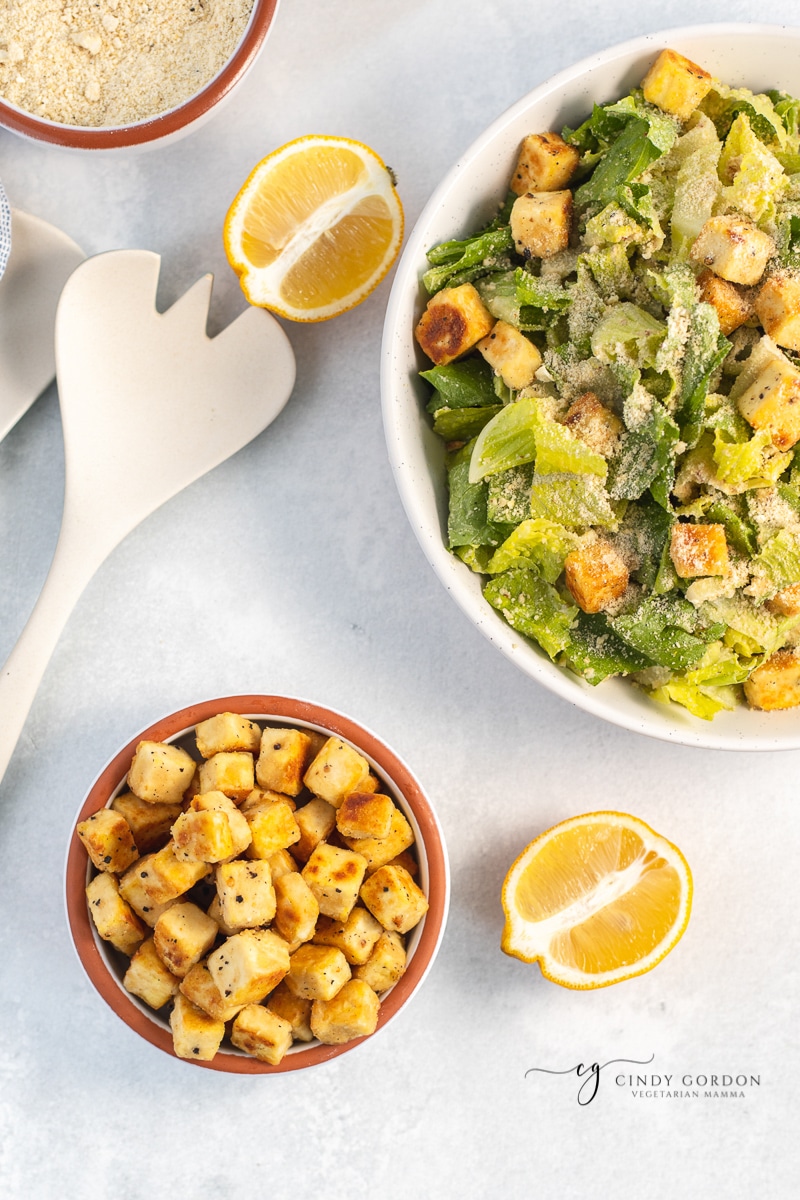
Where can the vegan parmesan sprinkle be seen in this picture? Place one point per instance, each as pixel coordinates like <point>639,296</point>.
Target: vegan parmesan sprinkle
<point>113,62</point>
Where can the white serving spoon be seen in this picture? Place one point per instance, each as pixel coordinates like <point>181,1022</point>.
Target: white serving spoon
<point>149,403</point>
<point>42,260</point>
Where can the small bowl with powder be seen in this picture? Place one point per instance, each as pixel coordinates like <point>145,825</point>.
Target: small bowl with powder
<point>119,74</point>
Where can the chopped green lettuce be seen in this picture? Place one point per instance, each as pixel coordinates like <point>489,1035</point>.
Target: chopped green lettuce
<point>577,501</point>
<point>533,607</point>
<point>464,384</point>
<point>508,440</point>
<point>757,178</point>
<point>540,543</point>
<point>668,631</point>
<point>458,262</point>
<point>628,332</point>
<point>468,521</point>
<point>595,651</point>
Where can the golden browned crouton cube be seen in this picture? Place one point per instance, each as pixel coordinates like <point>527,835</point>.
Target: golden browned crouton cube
<point>454,320</point>
<point>336,771</point>
<point>182,936</point>
<point>352,1013</point>
<point>293,1009</point>
<point>315,820</point>
<point>590,420</point>
<point>511,355</point>
<point>262,1033</point>
<point>249,965</point>
<point>595,575</point>
<point>334,877</point>
<point>198,986</point>
<point>149,823</point>
<point>776,683</point>
<point>773,402</point>
<point>284,756</point>
<point>215,912</point>
<point>406,860</point>
<point>281,863</point>
<point>227,732</point>
<point>260,796</point>
<point>540,223</point>
<point>379,851</point>
<point>676,84</point>
<point>786,602</point>
<point>160,773</point>
<point>365,814</point>
<point>296,908</point>
<point>213,801</point>
<point>355,937</point>
<point>229,772</point>
<point>170,876</point>
<point>386,964</point>
<point>246,895</point>
<point>194,1033</point>
<point>546,163</point>
<point>138,885</point>
<point>148,978</point>
<point>272,827</point>
<point>698,550</point>
<point>317,972</point>
<point>203,836</point>
<point>394,899</point>
<point>108,840</point>
<point>733,247</point>
<point>777,307</point>
<point>114,919</point>
<point>733,306</point>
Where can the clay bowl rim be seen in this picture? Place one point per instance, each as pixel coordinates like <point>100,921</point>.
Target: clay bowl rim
<point>264,707</point>
<point>152,129</point>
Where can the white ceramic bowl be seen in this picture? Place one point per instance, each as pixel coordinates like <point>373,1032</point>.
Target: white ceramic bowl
<point>756,56</point>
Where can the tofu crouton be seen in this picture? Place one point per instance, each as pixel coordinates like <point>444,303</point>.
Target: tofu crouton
<point>675,84</point>
<point>733,306</point>
<point>296,910</point>
<point>138,885</point>
<point>540,223</point>
<point>317,972</point>
<point>114,919</point>
<point>385,965</point>
<point>698,550</point>
<point>281,863</point>
<point>149,823</point>
<point>229,772</point>
<point>773,402</point>
<point>198,986</point>
<point>225,733</point>
<point>169,876</point>
<point>454,320</point>
<point>355,937</point>
<point>203,836</point>
<point>293,1009</point>
<point>108,840</point>
<point>249,965</point>
<point>246,894</point>
<point>777,307</point>
<point>272,827</point>
<point>160,773</point>
<point>182,936</point>
<point>315,820</point>
<point>546,163</point>
<point>394,899</point>
<point>283,758</point>
<point>194,1033</point>
<point>379,851</point>
<point>336,771</point>
<point>148,978</point>
<point>335,877</point>
<point>590,420</point>
<point>734,248</point>
<point>786,603</point>
<point>352,1013</point>
<point>595,575</point>
<point>511,355</point>
<point>365,814</point>
<point>219,802</point>
<point>262,1034</point>
<point>776,683</point>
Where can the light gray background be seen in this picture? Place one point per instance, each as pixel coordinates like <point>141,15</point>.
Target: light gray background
<point>292,569</point>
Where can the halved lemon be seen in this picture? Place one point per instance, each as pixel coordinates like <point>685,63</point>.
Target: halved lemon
<point>595,900</point>
<point>315,228</point>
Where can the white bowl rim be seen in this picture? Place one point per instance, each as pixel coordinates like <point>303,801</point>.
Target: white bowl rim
<point>654,720</point>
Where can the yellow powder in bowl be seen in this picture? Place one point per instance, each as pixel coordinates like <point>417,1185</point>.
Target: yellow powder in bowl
<point>113,62</point>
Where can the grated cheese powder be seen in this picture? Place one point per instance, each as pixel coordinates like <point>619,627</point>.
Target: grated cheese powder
<point>113,62</point>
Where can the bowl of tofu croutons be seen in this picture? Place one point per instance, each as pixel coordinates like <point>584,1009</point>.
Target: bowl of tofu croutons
<point>590,381</point>
<point>256,884</point>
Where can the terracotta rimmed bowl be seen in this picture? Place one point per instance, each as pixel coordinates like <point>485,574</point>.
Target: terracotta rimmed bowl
<point>755,56</point>
<point>105,967</point>
<point>170,125</point>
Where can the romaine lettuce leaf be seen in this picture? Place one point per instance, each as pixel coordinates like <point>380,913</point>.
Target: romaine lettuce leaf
<point>464,384</point>
<point>508,440</point>
<point>461,424</point>
<point>533,607</point>
<point>757,178</point>
<point>509,498</point>
<point>777,565</point>
<point>596,652</point>
<point>576,501</point>
<point>457,262</point>
<point>468,521</point>
<point>668,631</point>
<point>539,543</point>
<point>645,135</point>
<point>630,333</point>
<point>522,299</point>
